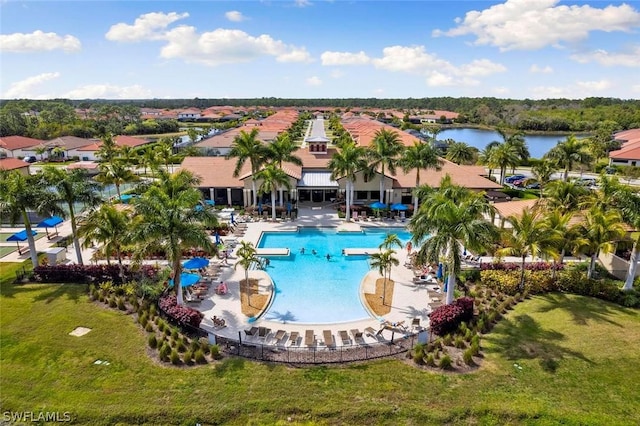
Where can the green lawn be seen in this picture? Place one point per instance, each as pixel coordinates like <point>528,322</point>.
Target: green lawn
<point>5,250</point>
<point>5,235</point>
<point>579,360</point>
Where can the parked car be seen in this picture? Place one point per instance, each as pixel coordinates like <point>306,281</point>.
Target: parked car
<point>512,178</point>
<point>534,185</point>
<point>30,159</point>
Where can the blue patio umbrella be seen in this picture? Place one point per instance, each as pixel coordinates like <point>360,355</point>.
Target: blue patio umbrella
<point>439,273</point>
<point>288,206</point>
<point>196,263</point>
<point>217,238</point>
<point>399,207</point>
<point>125,198</point>
<point>378,205</point>
<point>210,202</point>
<point>232,219</point>
<point>20,236</point>
<point>51,222</point>
<point>186,280</point>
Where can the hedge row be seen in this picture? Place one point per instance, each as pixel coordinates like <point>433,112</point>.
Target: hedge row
<point>182,314</point>
<point>446,318</point>
<point>97,274</point>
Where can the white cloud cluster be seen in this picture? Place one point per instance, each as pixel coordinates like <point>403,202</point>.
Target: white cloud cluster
<point>579,90</point>
<point>150,26</point>
<point>302,3</point>
<point>25,88</point>
<point>234,16</point>
<point>535,69</point>
<point>534,24</point>
<point>344,58</point>
<point>108,91</point>
<point>610,59</point>
<point>221,46</point>
<point>314,81</point>
<point>38,41</point>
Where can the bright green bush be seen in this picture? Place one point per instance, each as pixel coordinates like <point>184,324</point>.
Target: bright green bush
<point>215,351</point>
<point>153,342</point>
<point>187,356</point>
<point>199,357</point>
<point>149,327</point>
<point>467,356</point>
<point>174,357</point>
<point>445,362</point>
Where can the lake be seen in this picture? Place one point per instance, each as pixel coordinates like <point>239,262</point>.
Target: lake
<point>479,138</point>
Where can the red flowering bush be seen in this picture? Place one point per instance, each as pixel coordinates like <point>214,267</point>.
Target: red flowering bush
<point>182,314</point>
<point>466,304</point>
<point>512,266</point>
<point>97,274</point>
<point>447,318</point>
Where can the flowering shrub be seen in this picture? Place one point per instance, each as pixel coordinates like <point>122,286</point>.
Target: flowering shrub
<point>446,318</point>
<point>466,304</point>
<point>512,266</point>
<point>91,273</point>
<point>182,314</point>
<point>508,281</point>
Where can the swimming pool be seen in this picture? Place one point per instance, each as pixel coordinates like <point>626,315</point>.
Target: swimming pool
<point>309,288</point>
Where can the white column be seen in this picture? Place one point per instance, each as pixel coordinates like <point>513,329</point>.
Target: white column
<point>212,194</point>
<point>229,196</point>
<point>280,190</point>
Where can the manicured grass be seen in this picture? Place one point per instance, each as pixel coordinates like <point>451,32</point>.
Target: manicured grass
<point>579,358</point>
<point>5,250</point>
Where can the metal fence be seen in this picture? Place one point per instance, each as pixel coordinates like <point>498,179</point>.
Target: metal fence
<point>315,354</point>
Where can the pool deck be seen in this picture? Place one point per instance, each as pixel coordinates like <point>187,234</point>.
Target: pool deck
<point>409,300</point>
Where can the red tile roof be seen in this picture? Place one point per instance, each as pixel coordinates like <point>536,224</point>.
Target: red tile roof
<point>12,164</point>
<point>18,142</point>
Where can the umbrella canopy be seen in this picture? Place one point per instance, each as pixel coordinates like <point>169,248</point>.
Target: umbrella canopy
<point>217,238</point>
<point>199,207</point>
<point>378,205</point>
<point>125,198</point>
<point>210,202</point>
<point>196,263</point>
<point>50,222</point>
<point>399,206</point>
<point>439,273</point>
<point>186,280</point>
<point>21,236</point>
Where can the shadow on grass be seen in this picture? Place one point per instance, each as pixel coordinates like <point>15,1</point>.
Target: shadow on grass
<point>229,365</point>
<point>582,309</point>
<point>521,337</point>
<point>72,291</point>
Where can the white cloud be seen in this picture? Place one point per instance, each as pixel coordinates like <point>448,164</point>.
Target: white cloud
<point>302,3</point>
<point>38,41</point>
<point>535,69</point>
<point>527,24</point>
<point>636,88</point>
<point>501,91</point>
<point>378,91</point>
<point>314,81</point>
<point>438,72</point>
<point>610,59</point>
<point>24,88</point>
<point>594,85</point>
<point>150,26</point>
<point>336,73</point>
<point>108,91</point>
<point>223,46</point>
<point>234,16</point>
<point>344,58</point>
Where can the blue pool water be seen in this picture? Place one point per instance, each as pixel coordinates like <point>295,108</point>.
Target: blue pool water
<point>312,289</point>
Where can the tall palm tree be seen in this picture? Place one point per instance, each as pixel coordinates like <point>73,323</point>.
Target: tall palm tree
<point>384,261</point>
<point>384,152</point>
<point>502,157</point>
<point>282,150</point>
<point>484,157</point>
<point>517,141</point>
<point>564,196</point>
<point>557,222</point>
<point>528,236</point>
<point>246,146</point>
<point>629,203</point>
<point>115,173</point>
<point>109,227</point>
<point>148,157</point>
<point>420,156</point>
<point>169,218</point>
<point>165,153</point>
<point>247,256</point>
<point>272,179</point>
<point>108,150</point>
<point>20,194</point>
<point>72,187</point>
<point>568,153</point>
<point>542,171</point>
<point>461,153</point>
<point>390,241</point>
<point>449,218</point>
<point>599,230</point>
<point>346,163</point>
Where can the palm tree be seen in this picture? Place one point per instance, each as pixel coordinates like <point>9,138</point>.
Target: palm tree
<point>484,157</point>
<point>246,146</point>
<point>448,219</point>
<point>169,218</point>
<point>420,156</point>
<point>109,227</point>
<point>115,173</point>
<point>528,236</point>
<point>147,157</point>
<point>517,141</point>
<point>272,179</point>
<point>108,149</point>
<point>20,194</point>
<point>346,163</point>
<point>460,153</point>
<point>629,202</point>
<point>390,241</point>
<point>564,196</point>
<point>164,153</point>
<point>557,222</point>
<point>282,150</point>
<point>72,187</point>
<point>127,155</point>
<point>384,261</point>
<point>542,171</point>
<point>599,230</point>
<point>503,156</point>
<point>383,152</point>
<point>40,150</point>
<point>568,153</point>
<point>247,255</point>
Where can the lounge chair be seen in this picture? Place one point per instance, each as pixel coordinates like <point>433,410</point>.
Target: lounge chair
<point>357,335</point>
<point>309,338</point>
<point>251,332</point>
<point>329,341</point>
<point>370,331</point>
<point>263,332</point>
<point>279,336</point>
<point>416,323</point>
<point>345,337</point>
<point>293,338</point>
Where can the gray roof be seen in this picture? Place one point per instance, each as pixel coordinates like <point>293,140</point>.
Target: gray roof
<point>317,180</point>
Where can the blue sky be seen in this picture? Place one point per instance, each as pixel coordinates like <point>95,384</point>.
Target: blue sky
<point>319,49</point>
